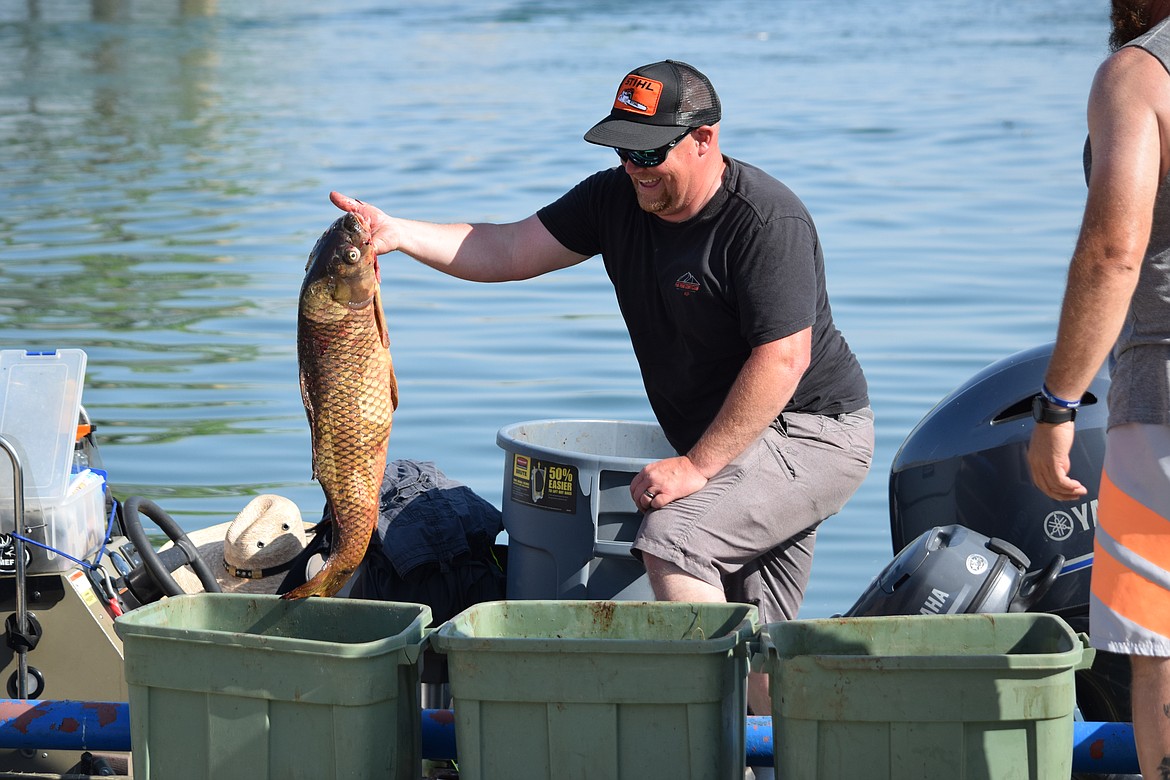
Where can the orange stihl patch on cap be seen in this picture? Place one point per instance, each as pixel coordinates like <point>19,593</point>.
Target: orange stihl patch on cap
<point>639,95</point>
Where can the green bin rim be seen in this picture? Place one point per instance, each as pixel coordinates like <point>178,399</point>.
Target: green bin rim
<point>133,624</point>
<point>1079,654</point>
<point>449,637</point>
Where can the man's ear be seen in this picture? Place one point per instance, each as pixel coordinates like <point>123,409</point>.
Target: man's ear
<point>704,136</point>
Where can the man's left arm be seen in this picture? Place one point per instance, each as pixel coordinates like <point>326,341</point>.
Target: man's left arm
<point>762,389</point>
<point>1128,108</point>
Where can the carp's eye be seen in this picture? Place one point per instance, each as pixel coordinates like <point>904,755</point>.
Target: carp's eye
<point>353,254</point>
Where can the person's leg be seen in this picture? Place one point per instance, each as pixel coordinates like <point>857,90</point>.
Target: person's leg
<point>691,546</point>
<point>831,457</point>
<point>784,484</point>
<point>670,583</point>
<point>776,582</point>
<point>707,546</point>
<point>1129,602</point>
<point>1151,715</point>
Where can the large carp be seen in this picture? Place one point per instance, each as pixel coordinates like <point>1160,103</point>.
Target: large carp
<point>349,390</point>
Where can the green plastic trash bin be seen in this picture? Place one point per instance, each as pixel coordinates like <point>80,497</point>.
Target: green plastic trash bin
<point>225,685</point>
<point>599,690</point>
<point>962,697</point>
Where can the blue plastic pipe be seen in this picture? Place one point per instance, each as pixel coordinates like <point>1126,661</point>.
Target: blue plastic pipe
<point>64,725</point>
<point>78,725</point>
<point>1104,748</point>
<point>438,734</point>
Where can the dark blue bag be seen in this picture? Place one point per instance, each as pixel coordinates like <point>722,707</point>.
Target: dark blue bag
<point>434,544</point>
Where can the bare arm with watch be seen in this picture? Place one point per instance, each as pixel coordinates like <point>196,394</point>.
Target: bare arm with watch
<point>1048,453</point>
<point>1115,304</point>
<point>1127,155</point>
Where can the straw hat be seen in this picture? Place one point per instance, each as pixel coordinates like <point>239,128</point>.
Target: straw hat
<point>251,553</point>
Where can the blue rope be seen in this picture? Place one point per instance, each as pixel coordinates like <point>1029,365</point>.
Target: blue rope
<point>97,559</point>
<point>101,550</point>
<point>52,549</point>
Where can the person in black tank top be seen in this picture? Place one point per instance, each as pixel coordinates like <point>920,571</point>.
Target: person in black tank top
<point>1115,305</point>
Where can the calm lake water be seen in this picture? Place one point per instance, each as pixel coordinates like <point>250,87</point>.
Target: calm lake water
<point>165,165</point>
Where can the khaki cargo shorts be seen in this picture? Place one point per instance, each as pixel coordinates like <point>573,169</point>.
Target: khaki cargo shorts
<point>752,528</point>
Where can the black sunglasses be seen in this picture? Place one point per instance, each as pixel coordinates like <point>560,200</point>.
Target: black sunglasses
<point>651,158</point>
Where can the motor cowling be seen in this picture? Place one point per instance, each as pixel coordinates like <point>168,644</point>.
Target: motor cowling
<point>953,570</point>
<point>966,464</point>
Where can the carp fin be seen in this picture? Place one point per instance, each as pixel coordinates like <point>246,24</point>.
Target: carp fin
<point>393,389</point>
<point>307,399</point>
<point>380,318</point>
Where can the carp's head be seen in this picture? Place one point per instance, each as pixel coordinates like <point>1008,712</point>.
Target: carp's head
<point>343,265</point>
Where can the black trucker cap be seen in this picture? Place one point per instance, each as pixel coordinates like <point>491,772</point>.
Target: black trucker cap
<point>654,104</point>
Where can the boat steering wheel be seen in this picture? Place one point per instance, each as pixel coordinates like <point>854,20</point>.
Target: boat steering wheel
<point>150,557</point>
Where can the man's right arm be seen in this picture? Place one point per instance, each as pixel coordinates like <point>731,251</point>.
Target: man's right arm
<point>480,253</point>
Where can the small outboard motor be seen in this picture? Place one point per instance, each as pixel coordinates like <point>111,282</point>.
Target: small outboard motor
<point>952,570</point>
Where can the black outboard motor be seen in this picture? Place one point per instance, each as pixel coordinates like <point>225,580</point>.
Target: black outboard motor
<point>965,464</point>
<point>953,570</point>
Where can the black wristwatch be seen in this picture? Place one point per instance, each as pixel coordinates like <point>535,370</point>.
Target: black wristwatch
<point>1044,412</point>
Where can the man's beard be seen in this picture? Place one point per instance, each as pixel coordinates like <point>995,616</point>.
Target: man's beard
<point>1130,19</point>
<point>661,202</point>
<point>654,206</point>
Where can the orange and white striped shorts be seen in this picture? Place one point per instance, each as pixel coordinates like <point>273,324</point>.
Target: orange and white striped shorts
<point>1129,606</point>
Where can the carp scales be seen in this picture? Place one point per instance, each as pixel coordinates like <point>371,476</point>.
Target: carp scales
<point>349,391</point>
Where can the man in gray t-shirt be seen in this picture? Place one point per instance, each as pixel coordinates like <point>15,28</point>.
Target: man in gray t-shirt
<point>697,296</point>
<point>720,278</point>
